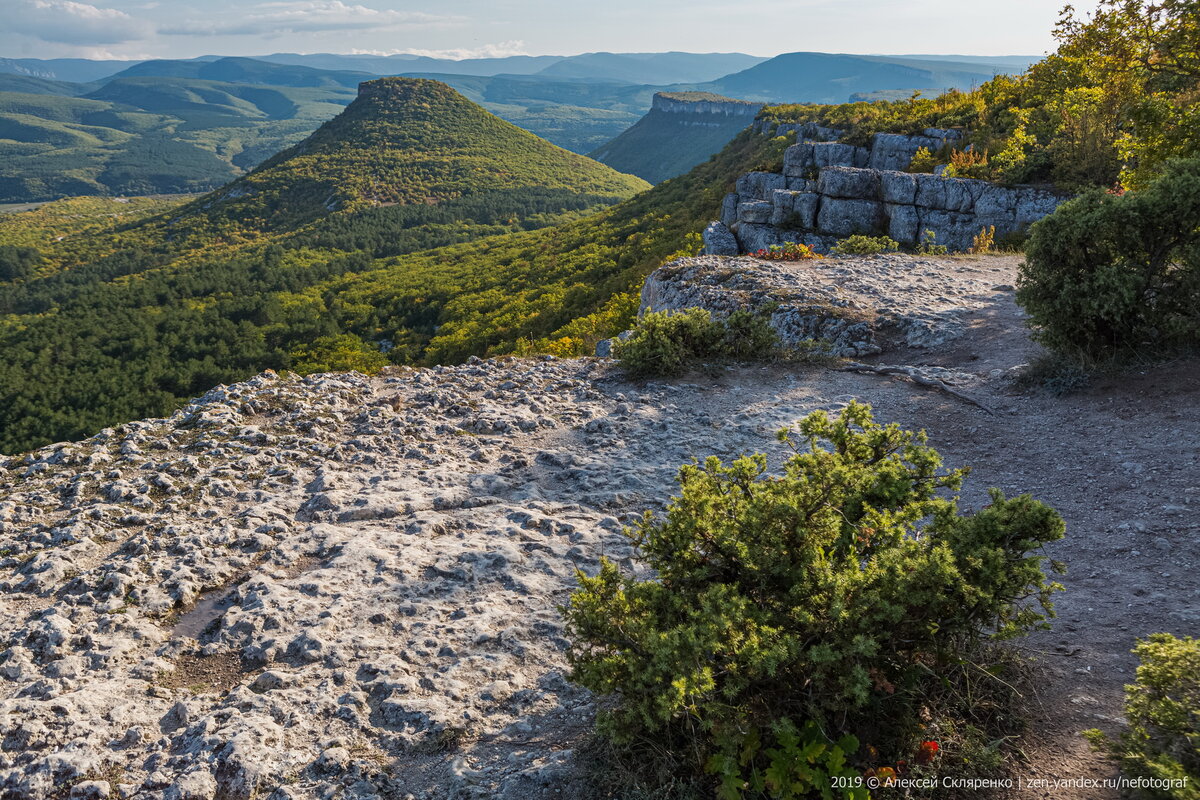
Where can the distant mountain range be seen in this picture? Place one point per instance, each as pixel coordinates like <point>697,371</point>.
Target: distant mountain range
<point>647,68</point>
<point>832,78</point>
<point>74,126</point>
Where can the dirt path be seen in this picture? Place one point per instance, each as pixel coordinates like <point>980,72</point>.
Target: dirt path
<point>1120,461</point>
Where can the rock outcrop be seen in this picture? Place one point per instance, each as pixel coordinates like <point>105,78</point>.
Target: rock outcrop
<point>829,190</point>
<point>847,305</point>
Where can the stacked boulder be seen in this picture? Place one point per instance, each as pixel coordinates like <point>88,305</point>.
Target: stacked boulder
<point>829,190</point>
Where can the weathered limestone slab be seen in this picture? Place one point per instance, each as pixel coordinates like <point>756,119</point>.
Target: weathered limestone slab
<point>845,217</point>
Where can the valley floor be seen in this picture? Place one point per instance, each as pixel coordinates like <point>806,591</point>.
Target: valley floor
<point>343,586</point>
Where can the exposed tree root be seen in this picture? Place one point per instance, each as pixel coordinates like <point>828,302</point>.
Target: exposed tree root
<point>913,374</point>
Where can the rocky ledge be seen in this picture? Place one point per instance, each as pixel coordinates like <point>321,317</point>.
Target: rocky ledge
<point>853,305</point>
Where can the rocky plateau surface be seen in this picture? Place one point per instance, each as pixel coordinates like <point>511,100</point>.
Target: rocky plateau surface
<point>347,587</point>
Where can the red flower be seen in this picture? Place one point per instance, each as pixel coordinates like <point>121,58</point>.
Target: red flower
<point>927,752</point>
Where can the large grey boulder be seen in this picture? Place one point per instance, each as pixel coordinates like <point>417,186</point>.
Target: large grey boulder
<point>802,160</point>
<point>804,209</point>
<point>997,205</point>
<point>1032,204</point>
<point>796,210</point>
<point>894,151</point>
<point>944,134</point>
<point>956,231</point>
<point>782,204</point>
<point>898,187</point>
<point>755,212</point>
<point>904,223</point>
<point>798,160</point>
<point>845,217</point>
<point>857,184</point>
<point>729,208</point>
<point>759,185</point>
<point>753,238</point>
<point>818,133</point>
<point>719,240</point>
<point>833,154</point>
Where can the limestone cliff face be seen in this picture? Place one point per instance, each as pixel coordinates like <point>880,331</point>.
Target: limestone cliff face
<point>694,103</point>
<point>681,130</point>
<point>829,190</point>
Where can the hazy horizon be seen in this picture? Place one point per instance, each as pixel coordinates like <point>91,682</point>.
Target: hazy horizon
<point>147,29</point>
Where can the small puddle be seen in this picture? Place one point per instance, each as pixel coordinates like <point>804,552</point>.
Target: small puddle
<point>213,604</point>
<point>209,608</point>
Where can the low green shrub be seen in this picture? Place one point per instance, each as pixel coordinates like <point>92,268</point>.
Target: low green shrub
<point>665,344</point>
<point>924,160</point>
<point>1108,273</point>
<point>862,245</point>
<point>792,613</point>
<point>1162,745</point>
<point>928,245</point>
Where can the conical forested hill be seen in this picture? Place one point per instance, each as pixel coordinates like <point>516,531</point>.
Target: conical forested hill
<point>407,141</point>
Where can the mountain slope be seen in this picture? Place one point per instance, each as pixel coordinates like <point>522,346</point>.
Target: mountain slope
<point>103,333</point>
<point>149,135</point>
<point>74,70</point>
<point>651,68</point>
<point>642,68</point>
<point>403,141</point>
<point>681,130</point>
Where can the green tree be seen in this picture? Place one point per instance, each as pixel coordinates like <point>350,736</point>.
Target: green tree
<point>1107,273</point>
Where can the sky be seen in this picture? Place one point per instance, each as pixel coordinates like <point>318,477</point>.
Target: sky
<point>138,29</point>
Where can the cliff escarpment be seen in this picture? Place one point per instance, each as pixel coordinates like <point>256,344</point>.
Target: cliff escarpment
<point>681,130</point>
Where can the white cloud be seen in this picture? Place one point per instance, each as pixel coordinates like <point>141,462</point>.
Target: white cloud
<point>308,16</point>
<point>497,50</point>
<point>68,22</point>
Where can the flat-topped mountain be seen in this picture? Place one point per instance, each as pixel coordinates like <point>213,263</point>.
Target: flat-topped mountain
<point>681,130</point>
<point>405,141</point>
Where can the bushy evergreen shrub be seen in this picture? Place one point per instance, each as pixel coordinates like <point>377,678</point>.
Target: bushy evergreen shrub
<point>665,344</point>
<point>1108,273</point>
<point>863,245</point>
<point>830,600</point>
<point>1163,709</point>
